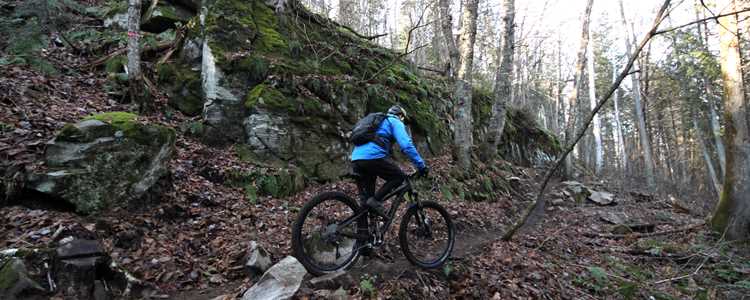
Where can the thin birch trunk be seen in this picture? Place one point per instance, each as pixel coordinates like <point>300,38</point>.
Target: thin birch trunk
<point>645,144</point>
<point>598,152</point>
<point>707,158</point>
<point>134,53</point>
<point>618,125</point>
<point>711,97</point>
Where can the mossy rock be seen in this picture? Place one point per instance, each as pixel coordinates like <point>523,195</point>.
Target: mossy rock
<point>265,182</point>
<point>183,87</point>
<point>108,159</point>
<point>165,16</point>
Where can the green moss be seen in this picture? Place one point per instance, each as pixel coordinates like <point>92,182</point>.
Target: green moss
<point>184,87</point>
<point>124,121</point>
<point>251,193</point>
<point>142,134</point>
<point>267,24</point>
<point>720,219</point>
<point>255,67</point>
<point>266,96</point>
<point>8,276</point>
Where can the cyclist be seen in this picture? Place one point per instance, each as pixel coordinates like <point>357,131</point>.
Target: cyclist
<point>373,159</point>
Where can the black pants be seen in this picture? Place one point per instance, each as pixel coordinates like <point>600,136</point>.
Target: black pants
<point>369,171</point>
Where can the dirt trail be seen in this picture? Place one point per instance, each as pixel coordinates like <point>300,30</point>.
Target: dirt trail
<point>387,264</point>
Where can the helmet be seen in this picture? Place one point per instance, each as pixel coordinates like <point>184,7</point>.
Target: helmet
<point>398,111</point>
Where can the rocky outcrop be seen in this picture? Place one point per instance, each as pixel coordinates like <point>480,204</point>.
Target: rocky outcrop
<point>290,85</point>
<point>107,159</point>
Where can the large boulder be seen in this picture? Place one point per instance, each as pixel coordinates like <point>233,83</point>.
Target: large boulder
<point>107,159</point>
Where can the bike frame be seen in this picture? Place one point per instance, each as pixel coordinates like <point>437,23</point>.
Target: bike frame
<point>399,192</point>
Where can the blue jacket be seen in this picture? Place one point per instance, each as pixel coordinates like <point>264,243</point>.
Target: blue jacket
<point>391,128</point>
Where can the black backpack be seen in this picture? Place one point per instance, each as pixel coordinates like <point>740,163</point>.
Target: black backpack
<point>365,130</point>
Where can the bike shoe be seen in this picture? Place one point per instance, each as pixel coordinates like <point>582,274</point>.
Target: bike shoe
<point>376,207</point>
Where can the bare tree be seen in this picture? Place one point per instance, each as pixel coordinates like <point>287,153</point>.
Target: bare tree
<point>619,140</point>
<point>577,79</point>
<point>446,23</point>
<point>504,75</point>
<point>732,214</point>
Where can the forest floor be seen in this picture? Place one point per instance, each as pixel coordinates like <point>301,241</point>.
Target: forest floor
<point>191,242</point>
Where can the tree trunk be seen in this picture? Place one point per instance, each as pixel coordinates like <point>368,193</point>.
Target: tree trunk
<point>641,122</point>
<point>732,213</point>
<point>503,76</point>
<point>135,78</point>
<point>446,22</point>
<point>462,134</point>
<point>440,52</point>
<point>577,79</point>
<point>711,97</point>
<point>707,157</point>
<point>620,142</point>
<point>597,130</point>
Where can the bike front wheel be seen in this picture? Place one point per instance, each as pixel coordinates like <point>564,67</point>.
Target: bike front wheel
<point>319,242</point>
<point>427,235</point>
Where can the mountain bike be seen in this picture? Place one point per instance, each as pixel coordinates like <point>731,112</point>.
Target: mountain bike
<point>332,229</point>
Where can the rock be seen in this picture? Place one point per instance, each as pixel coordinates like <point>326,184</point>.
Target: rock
<point>339,294</point>
<point>280,281</point>
<point>76,265</point>
<point>165,16</point>
<point>576,190</point>
<point>118,21</point>
<point>77,276</point>
<point>633,227</point>
<point>183,84</point>
<point>14,280</point>
<point>101,292</point>
<point>535,276</point>
<point>557,202</point>
<point>79,248</point>
<point>105,160</point>
<point>602,198</point>
<point>625,224</point>
<point>258,259</point>
<point>193,5</point>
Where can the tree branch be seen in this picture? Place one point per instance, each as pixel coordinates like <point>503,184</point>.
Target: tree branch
<point>702,20</point>
<point>431,69</point>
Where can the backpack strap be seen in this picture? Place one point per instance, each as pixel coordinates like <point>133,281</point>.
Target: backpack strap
<point>384,142</point>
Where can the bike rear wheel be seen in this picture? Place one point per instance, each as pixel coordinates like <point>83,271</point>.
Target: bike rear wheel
<point>317,240</point>
<point>426,235</point>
